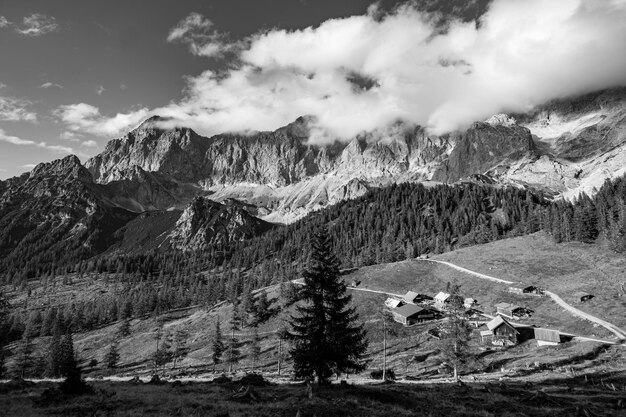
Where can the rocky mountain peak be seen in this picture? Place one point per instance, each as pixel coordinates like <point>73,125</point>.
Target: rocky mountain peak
<point>69,168</point>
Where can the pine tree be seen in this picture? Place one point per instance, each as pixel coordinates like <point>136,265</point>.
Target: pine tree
<point>124,328</point>
<point>112,357</point>
<point>180,345</point>
<point>53,365</point>
<point>387,323</point>
<point>218,344</point>
<point>262,309</point>
<point>5,308</point>
<point>232,348</point>
<point>68,366</point>
<point>325,337</point>
<point>255,347</point>
<point>456,333</point>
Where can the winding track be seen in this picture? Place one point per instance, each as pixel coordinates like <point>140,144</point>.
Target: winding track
<point>573,310</point>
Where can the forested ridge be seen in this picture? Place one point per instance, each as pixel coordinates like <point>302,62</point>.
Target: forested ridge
<point>384,225</point>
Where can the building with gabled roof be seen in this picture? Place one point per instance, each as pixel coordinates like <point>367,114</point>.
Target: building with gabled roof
<point>502,330</point>
<point>441,298</point>
<point>393,303</point>
<point>409,314</point>
<point>512,311</point>
<point>547,337</point>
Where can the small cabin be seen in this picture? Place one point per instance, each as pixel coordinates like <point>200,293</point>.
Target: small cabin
<point>441,299</point>
<point>582,296</point>
<point>531,289</point>
<point>409,314</point>
<point>503,331</point>
<point>412,297</point>
<point>547,337</point>
<point>512,311</point>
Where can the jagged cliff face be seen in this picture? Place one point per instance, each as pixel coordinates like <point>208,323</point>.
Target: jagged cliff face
<point>205,223</point>
<point>562,147</point>
<point>57,213</point>
<point>285,176</point>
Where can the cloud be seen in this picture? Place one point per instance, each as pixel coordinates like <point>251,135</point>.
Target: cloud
<point>85,118</point>
<point>196,31</point>
<point>4,22</point>
<point>70,136</point>
<point>37,24</point>
<point>16,110</point>
<point>50,85</point>
<point>100,90</point>
<point>14,140</point>
<point>361,72</point>
<point>89,144</point>
<point>28,166</point>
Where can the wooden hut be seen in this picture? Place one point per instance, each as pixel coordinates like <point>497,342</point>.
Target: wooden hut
<point>503,331</point>
<point>409,314</point>
<point>547,337</point>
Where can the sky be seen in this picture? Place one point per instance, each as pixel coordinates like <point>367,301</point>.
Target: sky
<point>77,73</point>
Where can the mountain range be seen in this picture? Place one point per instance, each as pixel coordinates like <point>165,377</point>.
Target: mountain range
<point>174,188</point>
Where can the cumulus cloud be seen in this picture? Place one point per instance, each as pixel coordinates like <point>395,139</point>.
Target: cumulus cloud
<point>89,144</point>
<point>100,90</point>
<point>4,22</point>
<point>16,110</point>
<point>14,140</point>
<point>196,31</point>
<point>37,24</point>
<point>85,118</point>
<point>361,72</point>
<point>50,85</point>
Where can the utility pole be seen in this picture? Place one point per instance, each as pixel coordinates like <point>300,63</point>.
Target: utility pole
<point>280,345</point>
<point>384,349</point>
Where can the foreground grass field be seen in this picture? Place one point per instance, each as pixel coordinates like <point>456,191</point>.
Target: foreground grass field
<point>552,398</point>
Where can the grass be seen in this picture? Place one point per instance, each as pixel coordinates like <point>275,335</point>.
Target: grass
<point>430,278</point>
<point>558,397</point>
<point>563,268</point>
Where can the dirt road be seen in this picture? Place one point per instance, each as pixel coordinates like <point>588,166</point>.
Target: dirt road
<point>621,334</point>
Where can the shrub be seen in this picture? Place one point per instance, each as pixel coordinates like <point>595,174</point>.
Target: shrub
<point>378,374</point>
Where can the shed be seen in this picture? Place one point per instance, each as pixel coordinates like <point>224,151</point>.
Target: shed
<point>486,335</point>
<point>503,330</point>
<point>531,289</point>
<point>393,303</point>
<point>414,298</point>
<point>583,296</point>
<point>512,311</point>
<point>410,314</point>
<point>547,337</point>
<point>441,298</point>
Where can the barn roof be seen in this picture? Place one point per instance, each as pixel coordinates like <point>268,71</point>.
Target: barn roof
<point>392,302</point>
<point>547,335</point>
<point>408,310</point>
<point>410,296</point>
<point>442,296</point>
<point>497,322</point>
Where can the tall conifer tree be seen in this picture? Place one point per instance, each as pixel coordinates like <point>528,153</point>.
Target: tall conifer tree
<point>325,337</point>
